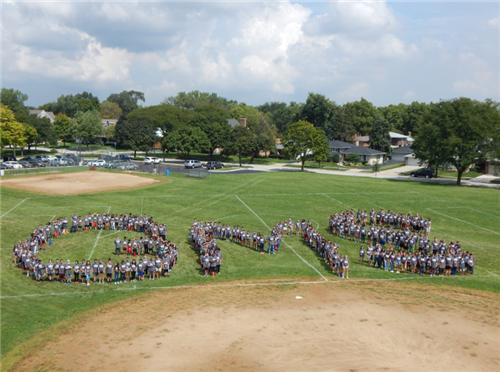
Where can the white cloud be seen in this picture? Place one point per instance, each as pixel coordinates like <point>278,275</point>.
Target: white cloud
<point>409,95</point>
<point>494,23</point>
<point>355,91</point>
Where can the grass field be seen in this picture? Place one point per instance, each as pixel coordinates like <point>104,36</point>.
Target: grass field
<point>254,201</point>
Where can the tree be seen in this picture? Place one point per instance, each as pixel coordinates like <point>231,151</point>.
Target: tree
<point>240,142</point>
<point>341,128</point>
<point>188,139</point>
<point>364,114</point>
<point>320,147</point>
<point>61,126</point>
<point>318,110</point>
<point>87,102</point>
<point>110,132</point>
<point>264,135</point>
<point>379,135</point>
<point>31,135</point>
<point>110,110</point>
<point>12,130</point>
<point>127,100</point>
<point>44,128</point>
<point>212,120</point>
<point>460,130</point>
<point>193,99</point>
<point>165,118</point>
<point>86,126</point>
<point>376,167</point>
<point>14,99</point>
<point>300,140</point>
<point>281,114</point>
<point>136,134</point>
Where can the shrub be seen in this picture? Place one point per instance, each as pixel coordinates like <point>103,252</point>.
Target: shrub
<point>335,158</point>
<point>353,158</point>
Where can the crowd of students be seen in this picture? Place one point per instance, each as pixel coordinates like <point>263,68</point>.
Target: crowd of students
<point>400,243</point>
<point>159,255</point>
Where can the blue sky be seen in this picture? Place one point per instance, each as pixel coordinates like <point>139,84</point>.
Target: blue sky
<point>254,52</point>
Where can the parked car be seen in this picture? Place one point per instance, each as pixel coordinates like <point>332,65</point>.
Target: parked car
<point>113,164</point>
<point>3,166</point>
<point>9,158</point>
<point>129,166</point>
<point>97,163</point>
<point>214,165</point>
<point>152,160</point>
<point>124,157</point>
<point>28,158</point>
<point>13,165</point>
<point>192,164</point>
<point>427,173</point>
<point>36,163</point>
<point>70,161</point>
<point>25,164</point>
<point>43,158</point>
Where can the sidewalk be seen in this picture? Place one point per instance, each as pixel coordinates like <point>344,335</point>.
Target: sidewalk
<point>393,174</point>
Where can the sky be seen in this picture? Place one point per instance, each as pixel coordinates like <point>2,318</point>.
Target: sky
<point>253,51</point>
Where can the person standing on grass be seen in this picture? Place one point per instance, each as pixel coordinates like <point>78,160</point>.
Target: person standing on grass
<point>140,270</point>
<point>361,255</point>
<point>151,270</point>
<point>88,270</point>
<point>345,265</point>
<point>76,271</point>
<point>123,270</point>
<point>101,268</point>
<point>116,272</point>
<point>205,262</point>
<point>67,271</point>
<point>109,270</point>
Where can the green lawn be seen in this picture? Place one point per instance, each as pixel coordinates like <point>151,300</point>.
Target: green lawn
<point>470,215</point>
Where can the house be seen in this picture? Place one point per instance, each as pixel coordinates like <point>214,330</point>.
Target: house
<point>492,166</point>
<point>410,159</point>
<point>398,154</point>
<point>43,114</point>
<point>234,122</point>
<point>400,140</point>
<point>107,122</point>
<point>366,154</point>
<point>360,140</point>
<point>339,146</point>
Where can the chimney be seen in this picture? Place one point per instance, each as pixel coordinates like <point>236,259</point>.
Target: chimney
<point>243,122</point>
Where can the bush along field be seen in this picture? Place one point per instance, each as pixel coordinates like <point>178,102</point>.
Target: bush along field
<point>252,201</point>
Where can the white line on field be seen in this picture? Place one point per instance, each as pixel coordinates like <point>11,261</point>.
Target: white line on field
<point>471,209</point>
<point>468,223</point>
<point>17,205</point>
<point>230,285</point>
<point>338,201</point>
<point>69,206</point>
<point>115,232</point>
<point>300,194</point>
<point>97,240</point>
<point>28,215</point>
<point>293,250</point>
<point>465,241</point>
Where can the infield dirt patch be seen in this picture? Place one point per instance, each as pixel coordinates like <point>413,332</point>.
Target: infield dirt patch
<point>78,182</point>
<point>333,327</point>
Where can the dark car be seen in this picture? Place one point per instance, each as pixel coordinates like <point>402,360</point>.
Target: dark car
<point>28,158</point>
<point>124,157</point>
<point>36,163</point>
<point>427,173</point>
<point>214,165</point>
<point>43,158</point>
<point>9,158</point>
<point>24,163</point>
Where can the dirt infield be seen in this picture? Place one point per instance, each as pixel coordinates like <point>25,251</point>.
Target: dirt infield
<point>333,327</point>
<point>77,183</point>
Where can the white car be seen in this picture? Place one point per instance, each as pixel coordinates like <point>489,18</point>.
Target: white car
<point>13,165</point>
<point>98,163</point>
<point>192,164</point>
<point>152,160</point>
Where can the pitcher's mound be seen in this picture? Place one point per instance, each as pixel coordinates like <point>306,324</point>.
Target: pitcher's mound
<point>77,183</point>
